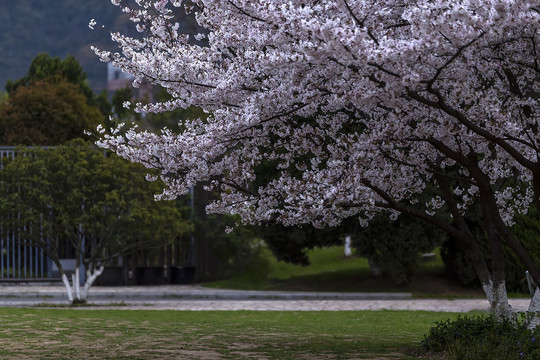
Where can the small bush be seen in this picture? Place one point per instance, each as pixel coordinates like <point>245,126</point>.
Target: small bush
<point>483,338</point>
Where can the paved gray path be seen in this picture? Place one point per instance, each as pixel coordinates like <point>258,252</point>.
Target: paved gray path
<point>198,298</point>
<point>186,292</point>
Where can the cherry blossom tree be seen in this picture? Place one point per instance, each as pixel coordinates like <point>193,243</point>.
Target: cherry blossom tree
<point>356,105</point>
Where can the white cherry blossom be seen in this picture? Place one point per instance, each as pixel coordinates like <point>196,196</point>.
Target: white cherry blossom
<point>319,111</point>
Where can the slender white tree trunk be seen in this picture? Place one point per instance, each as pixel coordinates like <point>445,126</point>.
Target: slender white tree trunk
<point>68,287</point>
<point>534,310</point>
<point>76,284</point>
<point>90,278</point>
<point>75,293</point>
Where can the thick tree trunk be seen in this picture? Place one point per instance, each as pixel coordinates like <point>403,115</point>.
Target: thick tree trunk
<point>81,295</point>
<point>499,305</point>
<point>494,221</point>
<point>65,279</point>
<point>489,204</point>
<point>494,286</point>
<point>498,301</point>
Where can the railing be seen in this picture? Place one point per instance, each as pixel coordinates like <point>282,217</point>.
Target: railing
<point>22,262</point>
<point>7,151</point>
<point>19,261</point>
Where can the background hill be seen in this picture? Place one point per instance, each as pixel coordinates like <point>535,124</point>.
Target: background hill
<point>60,28</point>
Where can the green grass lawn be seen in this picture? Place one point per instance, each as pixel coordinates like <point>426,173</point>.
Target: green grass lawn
<point>329,270</point>
<point>124,334</point>
<point>323,260</point>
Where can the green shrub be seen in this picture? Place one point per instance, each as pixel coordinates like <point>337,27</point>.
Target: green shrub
<point>240,252</point>
<point>396,246</point>
<point>483,338</point>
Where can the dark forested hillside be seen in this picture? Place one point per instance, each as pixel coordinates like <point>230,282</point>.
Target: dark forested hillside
<point>60,28</point>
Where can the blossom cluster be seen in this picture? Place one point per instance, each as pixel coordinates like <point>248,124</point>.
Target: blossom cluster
<point>320,111</point>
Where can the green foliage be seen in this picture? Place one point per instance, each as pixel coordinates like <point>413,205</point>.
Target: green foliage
<point>396,245</point>
<point>290,244</point>
<point>44,67</point>
<point>75,192</point>
<point>483,338</point>
<point>149,121</point>
<point>101,101</point>
<point>527,231</point>
<point>321,260</point>
<point>46,113</point>
<point>458,264</point>
<point>239,252</point>
<point>51,104</point>
<point>330,271</point>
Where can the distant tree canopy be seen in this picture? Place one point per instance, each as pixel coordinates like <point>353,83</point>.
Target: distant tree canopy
<point>53,69</point>
<point>51,104</point>
<point>45,67</point>
<point>395,246</point>
<point>46,113</point>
